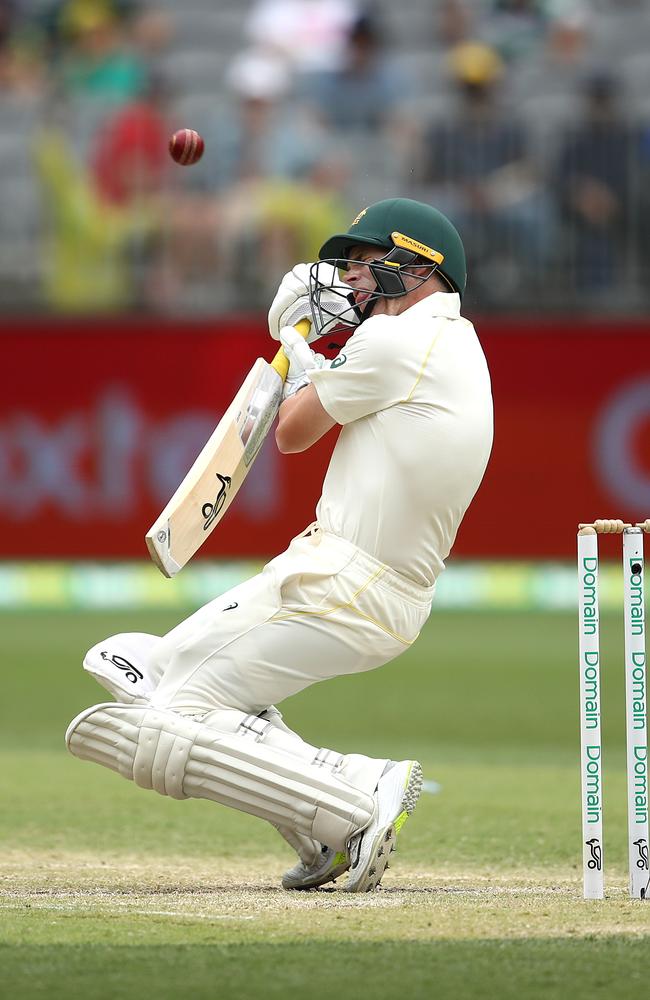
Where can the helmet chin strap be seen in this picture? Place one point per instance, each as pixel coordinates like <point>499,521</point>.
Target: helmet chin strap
<point>386,270</point>
<point>388,278</point>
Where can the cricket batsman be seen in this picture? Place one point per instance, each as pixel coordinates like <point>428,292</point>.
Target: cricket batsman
<point>195,715</point>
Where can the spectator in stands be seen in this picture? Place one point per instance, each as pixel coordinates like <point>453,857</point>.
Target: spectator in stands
<point>568,31</point>
<point>310,34</point>
<point>454,22</point>
<point>594,187</point>
<point>99,62</point>
<point>8,12</point>
<point>515,27</point>
<point>363,92</point>
<point>262,194</point>
<point>475,165</point>
<point>545,82</point>
<point>263,133</point>
<point>22,71</point>
<point>104,215</point>
<point>130,158</point>
<point>518,29</point>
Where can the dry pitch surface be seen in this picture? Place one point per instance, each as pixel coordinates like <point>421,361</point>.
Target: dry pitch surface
<point>412,904</point>
<point>74,925</point>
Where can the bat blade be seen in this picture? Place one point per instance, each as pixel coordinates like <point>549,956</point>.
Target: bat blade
<point>210,486</point>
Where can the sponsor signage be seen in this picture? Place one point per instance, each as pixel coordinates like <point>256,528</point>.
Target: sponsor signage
<point>99,421</point>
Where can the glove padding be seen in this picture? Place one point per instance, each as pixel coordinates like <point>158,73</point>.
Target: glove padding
<point>291,302</point>
<point>301,360</point>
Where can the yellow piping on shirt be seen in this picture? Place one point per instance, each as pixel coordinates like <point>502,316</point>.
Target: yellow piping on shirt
<point>422,367</point>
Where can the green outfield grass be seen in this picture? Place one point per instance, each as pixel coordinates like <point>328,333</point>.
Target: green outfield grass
<point>110,891</point>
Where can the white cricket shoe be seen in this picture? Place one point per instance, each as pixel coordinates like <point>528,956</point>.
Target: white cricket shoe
<point>396,797</point>
<point>325,868</point>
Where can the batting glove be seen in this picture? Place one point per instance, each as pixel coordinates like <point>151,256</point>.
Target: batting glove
<point>301,360</point>
<point>291,302</point>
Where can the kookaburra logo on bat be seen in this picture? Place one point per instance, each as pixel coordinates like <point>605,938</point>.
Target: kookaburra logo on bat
<point>211,510</point>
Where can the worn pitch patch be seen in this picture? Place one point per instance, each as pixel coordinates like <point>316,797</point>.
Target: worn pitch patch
<point>62,899</point>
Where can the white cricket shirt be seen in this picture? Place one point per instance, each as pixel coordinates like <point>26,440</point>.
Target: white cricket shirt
<point>413,395</point>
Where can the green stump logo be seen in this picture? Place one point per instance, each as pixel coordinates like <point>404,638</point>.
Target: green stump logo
<point>338,361</point>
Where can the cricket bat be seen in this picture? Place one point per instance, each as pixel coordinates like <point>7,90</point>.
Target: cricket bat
<point>211,485</point>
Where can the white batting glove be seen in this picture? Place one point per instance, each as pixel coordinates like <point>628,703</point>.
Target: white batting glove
<point>291,302</point>
<point>301,360</point>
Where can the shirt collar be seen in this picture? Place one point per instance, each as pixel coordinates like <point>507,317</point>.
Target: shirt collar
<point>445,304</point>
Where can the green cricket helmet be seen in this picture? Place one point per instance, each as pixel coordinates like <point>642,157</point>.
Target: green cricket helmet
<point>411,234</point>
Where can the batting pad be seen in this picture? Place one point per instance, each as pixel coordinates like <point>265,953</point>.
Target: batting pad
<point>175,756</point>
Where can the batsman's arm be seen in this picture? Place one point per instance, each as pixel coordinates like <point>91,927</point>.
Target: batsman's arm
<point>302,421</point>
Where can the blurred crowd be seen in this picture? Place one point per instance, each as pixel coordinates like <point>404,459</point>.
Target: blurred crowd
<point>527,121</point>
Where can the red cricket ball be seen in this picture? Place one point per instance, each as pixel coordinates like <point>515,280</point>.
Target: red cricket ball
<point>186,146</point>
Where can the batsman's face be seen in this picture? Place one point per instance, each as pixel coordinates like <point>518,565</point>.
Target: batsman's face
<point>360,279</point>
<point>358,275</point>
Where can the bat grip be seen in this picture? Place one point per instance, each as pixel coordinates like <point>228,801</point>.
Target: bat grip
<point>280,361</point>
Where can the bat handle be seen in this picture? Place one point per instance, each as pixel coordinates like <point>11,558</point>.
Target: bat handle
<point>280,361</point>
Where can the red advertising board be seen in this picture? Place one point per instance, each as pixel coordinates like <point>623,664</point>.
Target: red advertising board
<point>99,421</point>
<point>572,435</point>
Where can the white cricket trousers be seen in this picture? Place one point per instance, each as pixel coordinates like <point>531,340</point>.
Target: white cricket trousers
<point>321,609</point>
